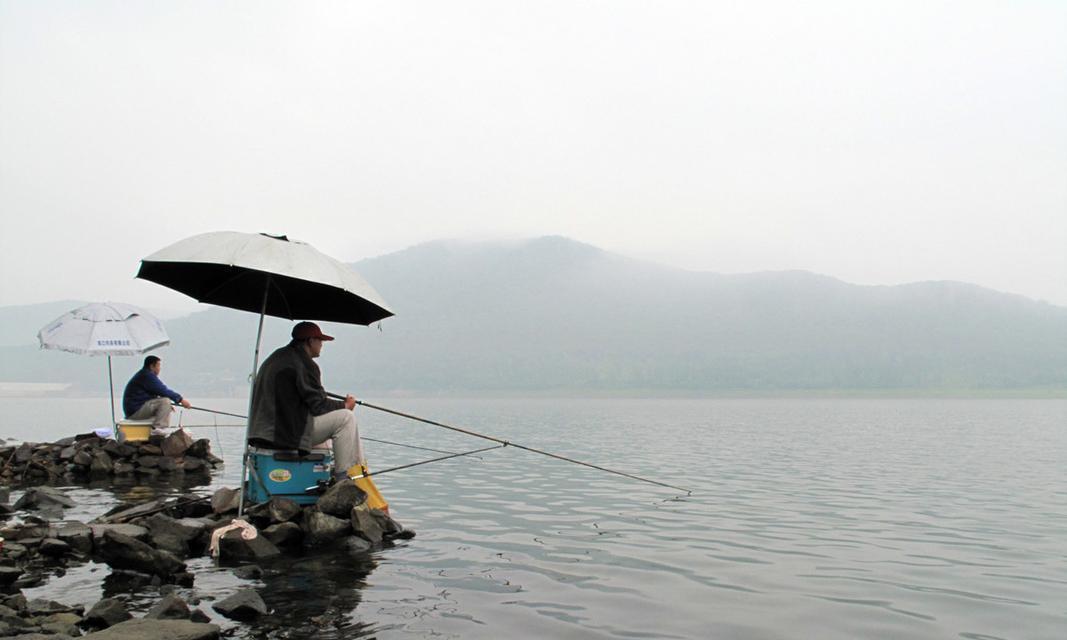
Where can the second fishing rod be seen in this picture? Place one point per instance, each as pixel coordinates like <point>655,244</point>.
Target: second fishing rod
<point>508,443</point>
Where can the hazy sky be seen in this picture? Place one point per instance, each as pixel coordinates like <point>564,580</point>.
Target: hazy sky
<point>879,143</point>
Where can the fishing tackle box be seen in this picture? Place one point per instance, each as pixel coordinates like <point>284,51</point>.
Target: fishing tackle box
<point>287,474</point>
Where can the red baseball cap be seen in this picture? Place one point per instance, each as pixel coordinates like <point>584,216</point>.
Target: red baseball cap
<point>305,330</point>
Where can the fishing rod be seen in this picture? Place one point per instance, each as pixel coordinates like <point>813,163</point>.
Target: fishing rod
<point>507,443</point>
<point>235,415</point>
<point>416,464</point>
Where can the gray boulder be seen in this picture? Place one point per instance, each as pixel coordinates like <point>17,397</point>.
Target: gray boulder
<point>176,444</point>
<point>243,605</point>
<point>340,498</point>
<point>225,499</point>
<point>284,534</point>
<point>131,530</point>
<point>171,607</point>
<point>233,548</point>
<point>320,527</point>
<point>101,464</point>
<point>8,575</point>
<point>142,629</point>
<point>77,535</point>
<point>41,497</point>
<point>106,613</point>
<point>123,552</point>
<point>54,548</point>
<point>365,524</point>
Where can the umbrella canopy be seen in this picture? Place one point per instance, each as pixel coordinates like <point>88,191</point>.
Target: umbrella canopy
<point>265,274</point>
<point>104,329</point>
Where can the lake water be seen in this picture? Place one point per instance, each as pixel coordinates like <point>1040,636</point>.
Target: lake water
<point>807,519</point>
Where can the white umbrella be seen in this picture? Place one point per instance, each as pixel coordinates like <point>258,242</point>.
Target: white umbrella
<point>105,329</point>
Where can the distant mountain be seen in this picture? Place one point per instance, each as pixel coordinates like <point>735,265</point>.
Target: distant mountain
<point>554,315</point>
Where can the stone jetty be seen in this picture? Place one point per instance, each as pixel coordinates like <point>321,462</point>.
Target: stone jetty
<point>149,543</point>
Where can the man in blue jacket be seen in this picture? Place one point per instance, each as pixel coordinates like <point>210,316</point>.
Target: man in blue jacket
<point>147,397</point>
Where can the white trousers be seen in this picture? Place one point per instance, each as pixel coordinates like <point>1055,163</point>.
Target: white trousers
<point>339,426</point>
<point>158,409</point>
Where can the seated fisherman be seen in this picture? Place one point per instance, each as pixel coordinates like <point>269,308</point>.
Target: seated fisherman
<point>147,397</point>
<point>290,409</point>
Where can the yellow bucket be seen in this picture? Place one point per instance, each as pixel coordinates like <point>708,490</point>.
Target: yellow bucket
<point>135,430</point>
<point>361,477</point>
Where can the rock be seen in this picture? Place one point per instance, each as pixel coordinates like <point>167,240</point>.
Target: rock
<point>39,497</point>
<point>54,548</point>
<point>113,448</point>
<point>8,575</point>
<point>105,613</point>
<point>198,615</point>
<point>14,551</point>
<point>321,527</point>
<point>124,513</point>
<point>77,535</point>
<point>248,572</point>
<point>176,536</point>
<point>171,607</point>
<point>365,524</point>
<point>167,465</point>
<point>149,462</point>
<point>234,548</point>
<point>101,464</point>
<point>284,534</point>
<point>60,623</point>
<point>41,607</point>
<point>243,605</point>
<point>124,552</point>
<point>143,629</point>
<point>199,449</point>
<point>176,444</point>
<point>193,464</point>
<point>23,453</point>
<point>283,509</point>
<point>225,499</point>
<point>131,530</point>
<point>340,498</point>
<point>82,458</point>
<point>123,468</point>
<point>149,450</point>
<point>17,602</point>
<point>67,454</point>
<point>354,545</point>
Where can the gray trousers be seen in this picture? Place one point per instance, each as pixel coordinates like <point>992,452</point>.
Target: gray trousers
<point>339,426</point>
<point>158,409</point>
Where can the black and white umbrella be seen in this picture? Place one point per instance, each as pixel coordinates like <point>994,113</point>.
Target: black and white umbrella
<point>268,275</point>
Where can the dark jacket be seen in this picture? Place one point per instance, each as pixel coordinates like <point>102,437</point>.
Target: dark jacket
<point>287,394</point>
<point>142,387</point>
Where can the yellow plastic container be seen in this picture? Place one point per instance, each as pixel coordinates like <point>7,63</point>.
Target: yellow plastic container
<point>360,475</point>
<point>134,430</point>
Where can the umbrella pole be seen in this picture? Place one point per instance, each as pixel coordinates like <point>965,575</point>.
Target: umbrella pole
<point>251,387</point>
<point>111,394</point>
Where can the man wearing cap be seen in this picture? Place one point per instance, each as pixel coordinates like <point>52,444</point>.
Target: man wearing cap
<point>290,409</point>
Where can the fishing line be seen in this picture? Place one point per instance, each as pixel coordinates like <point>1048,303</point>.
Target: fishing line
<point>507,443</point>
<point>235,415</point>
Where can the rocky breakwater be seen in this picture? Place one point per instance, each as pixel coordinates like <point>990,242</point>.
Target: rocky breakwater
<point>148,545</point>
<point>90,457</point>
